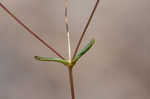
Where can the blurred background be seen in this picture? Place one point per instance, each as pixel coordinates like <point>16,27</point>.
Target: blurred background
<point>117,67</point>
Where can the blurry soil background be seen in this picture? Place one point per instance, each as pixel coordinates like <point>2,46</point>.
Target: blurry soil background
<point>117,67</point>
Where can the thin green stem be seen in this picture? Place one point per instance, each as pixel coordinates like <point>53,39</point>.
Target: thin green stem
<point>30,31</point>
<point>71,82</point>
<point>85,29</point>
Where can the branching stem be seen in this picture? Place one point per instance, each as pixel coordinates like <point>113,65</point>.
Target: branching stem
<point>68,38</point>
<point>30,31</point>
<point>85,29</point>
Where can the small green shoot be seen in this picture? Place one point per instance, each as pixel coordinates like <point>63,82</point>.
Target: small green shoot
<point>83,51</point>
<point>66,62</point>
<point>59,60</point>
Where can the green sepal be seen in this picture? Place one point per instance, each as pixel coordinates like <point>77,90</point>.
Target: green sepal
<point>83,51</point>
<point>52,59</point>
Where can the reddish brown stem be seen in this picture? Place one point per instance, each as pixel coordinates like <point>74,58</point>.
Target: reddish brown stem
<point>71,82</point>
<point>30,31</point>
<point>85,29</point>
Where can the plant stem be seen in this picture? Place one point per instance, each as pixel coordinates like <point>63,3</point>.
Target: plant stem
<point>30,31</point>
<point>85,29</point>
<point>71,82</point>
<point>67,30</point>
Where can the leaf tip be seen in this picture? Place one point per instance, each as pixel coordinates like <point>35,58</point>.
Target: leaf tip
<point>93,41</point>
<point>37,57</point>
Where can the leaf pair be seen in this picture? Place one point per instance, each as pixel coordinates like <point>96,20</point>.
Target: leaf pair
<point>66,62</point>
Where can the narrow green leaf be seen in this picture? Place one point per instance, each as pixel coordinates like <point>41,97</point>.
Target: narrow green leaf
<point>83,51</point>
<point>51,59</point>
